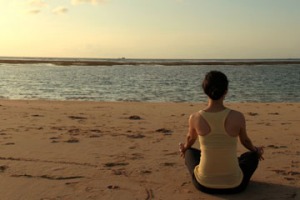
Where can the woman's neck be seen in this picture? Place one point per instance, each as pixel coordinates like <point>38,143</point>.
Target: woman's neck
<point>215,105</point>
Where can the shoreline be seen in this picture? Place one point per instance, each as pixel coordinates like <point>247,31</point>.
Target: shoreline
<point>129,150</point>
<point>143,102</point>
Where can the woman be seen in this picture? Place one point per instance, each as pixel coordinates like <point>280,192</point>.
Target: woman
<point>216,169</point>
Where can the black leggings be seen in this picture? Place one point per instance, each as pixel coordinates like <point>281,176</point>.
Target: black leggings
<point>248,163</point>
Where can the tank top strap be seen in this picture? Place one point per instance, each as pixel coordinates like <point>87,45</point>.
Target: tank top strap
<point>215,120</point>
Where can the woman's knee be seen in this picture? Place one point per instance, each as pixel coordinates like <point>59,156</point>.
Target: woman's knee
<point>254,157</point>
<point>250,156</point>
<point>192,153</point>
<point>192,159</point>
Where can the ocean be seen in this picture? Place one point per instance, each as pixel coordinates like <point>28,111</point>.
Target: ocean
<point>146,80</point>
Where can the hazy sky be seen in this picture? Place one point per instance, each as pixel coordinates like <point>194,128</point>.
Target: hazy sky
<point>150,28</point>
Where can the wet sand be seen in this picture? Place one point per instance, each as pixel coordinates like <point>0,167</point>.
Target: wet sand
<point>98,150</point>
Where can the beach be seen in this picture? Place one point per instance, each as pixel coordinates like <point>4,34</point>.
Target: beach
<point>129,150</point>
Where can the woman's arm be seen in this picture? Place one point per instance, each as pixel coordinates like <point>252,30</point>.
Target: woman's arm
<point>246,141</point>
<point>191,136</point>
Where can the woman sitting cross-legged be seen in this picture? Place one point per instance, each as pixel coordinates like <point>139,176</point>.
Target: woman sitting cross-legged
<point>215,168</point>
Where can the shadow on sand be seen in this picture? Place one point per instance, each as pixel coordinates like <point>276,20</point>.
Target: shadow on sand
<point>265,191</point>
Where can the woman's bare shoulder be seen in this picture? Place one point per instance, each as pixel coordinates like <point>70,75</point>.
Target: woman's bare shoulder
<point>236,115</point>
<point>195,115</point>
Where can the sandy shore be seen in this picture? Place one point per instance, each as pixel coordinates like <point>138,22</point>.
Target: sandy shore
<point>89,150</point>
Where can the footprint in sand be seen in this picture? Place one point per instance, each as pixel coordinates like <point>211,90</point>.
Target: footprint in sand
<point>276,113</point>
<point>136,156</point>
<point>3,168</point>
<point>276,147</point>
<point>74,131</point>
<point>77,117</point>
<point>150,194</point>
<point>58,128</point>
<point>48,177</point>
<point>119,172</point>
<point>169,164</point>
<point>72,140</point>
<point>71,183</point>
<point>115,164</point>
<point>289,178</point>
<point>133,147</point>
<point>285,123</point>
<point>165,131</point>
<point>252,113</point>
<point>137,136</point>
<point>55,139</point>
<point>113,187</point>
<point>172,154</point>
<point>146,172</point>
<point>284,172</point>
<point>37,116</point>
<point>135,117</point>
<point>9,143</point>
<point>95,133</point>
<point>94,136</point>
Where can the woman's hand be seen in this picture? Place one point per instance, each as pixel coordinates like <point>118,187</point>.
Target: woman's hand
<point>182,149</point>
<point>260,152</point>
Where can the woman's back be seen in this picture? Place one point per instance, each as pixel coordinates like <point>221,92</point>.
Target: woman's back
<point>233,123</point>
<point>219,166</point>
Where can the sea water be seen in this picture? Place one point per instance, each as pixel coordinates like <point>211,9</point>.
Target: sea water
<point>147,82</point>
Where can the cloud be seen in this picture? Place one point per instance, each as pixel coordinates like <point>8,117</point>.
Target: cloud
<point>34,11</point>
<point>60,10</point>
<point>36,6</point>
<point>76,2</point>
<point>37,3</point>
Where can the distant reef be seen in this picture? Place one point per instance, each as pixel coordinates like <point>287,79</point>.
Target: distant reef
<point>167,62</point>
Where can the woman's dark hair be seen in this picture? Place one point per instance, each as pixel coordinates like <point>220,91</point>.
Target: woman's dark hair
<point>215,84</point>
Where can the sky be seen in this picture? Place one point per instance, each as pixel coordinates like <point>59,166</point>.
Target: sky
<point>173,29</point>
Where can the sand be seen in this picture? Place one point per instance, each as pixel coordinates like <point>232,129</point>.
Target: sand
<point>97,150</point>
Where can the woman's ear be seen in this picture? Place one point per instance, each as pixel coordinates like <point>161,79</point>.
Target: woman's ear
<point>225,94</point>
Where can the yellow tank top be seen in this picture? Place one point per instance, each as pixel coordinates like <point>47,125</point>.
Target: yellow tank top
<point>218,167</point>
